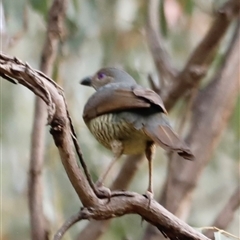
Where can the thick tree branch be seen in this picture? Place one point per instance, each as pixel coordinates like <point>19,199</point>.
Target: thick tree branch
<point>95,208</point>
<point>39,228</point>
<point>137,204</point>
<point>202,56</point>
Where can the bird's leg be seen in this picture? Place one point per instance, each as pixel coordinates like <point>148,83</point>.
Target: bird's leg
<point>150,150</point>
<point>117,150</point>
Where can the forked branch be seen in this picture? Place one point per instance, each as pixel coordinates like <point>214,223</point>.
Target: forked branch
<point>94,208</point>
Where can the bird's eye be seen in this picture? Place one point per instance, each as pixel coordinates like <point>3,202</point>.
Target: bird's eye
<point>101,75</point>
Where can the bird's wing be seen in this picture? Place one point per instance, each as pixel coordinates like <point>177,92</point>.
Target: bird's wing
<point>165,137</point>
<point>150,96</point>
<point>110,100</point>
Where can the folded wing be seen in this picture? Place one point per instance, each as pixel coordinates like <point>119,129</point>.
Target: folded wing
<point>164,136</point>
<point>115,99</point>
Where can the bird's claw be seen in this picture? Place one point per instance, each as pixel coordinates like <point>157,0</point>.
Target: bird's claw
<point>103,192</point>
<point>149,195</point>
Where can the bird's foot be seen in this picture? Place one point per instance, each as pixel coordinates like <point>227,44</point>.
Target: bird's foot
<point>149,195</point>
<point>102,191</point>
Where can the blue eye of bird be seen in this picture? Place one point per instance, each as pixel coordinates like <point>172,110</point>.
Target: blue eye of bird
<point>101,75</point>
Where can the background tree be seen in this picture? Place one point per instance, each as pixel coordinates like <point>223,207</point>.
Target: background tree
<point>192,47</point>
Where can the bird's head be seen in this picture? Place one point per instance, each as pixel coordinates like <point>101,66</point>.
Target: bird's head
<point>107,75</point>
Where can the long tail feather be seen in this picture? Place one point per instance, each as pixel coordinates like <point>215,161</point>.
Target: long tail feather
<point>164,136</point>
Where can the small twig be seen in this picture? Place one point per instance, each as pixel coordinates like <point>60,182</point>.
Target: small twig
<point>84,166</point>
<point>219,230</point>
<point>79,152</point>
<point>81,215</point>
<point>98,193</point>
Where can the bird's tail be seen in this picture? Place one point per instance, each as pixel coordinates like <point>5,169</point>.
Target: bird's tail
<point>164,136</point>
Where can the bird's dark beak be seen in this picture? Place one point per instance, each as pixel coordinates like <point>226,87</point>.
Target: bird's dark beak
<point>87,81</point>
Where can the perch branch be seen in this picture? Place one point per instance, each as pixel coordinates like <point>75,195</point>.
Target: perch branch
<point>98,209</point>
<point>137,204</point>
<point>95,229</point>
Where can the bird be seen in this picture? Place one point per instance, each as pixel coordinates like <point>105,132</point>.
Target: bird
<point>128,118</point>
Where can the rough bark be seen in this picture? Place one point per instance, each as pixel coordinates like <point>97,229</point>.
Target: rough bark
<point>39,227</point>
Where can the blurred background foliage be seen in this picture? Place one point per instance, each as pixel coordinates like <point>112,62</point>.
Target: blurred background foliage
<point>101,33</point>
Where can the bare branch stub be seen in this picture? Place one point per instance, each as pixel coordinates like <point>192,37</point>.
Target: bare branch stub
<point>81,215</point>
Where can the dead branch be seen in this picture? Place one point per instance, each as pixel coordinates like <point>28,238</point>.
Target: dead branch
<point>39,228</point>
<point>98,209</point>
<point>226,214</point>
<point>202,56</point>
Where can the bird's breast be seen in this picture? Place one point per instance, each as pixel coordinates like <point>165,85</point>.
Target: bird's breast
<point>109,127</point>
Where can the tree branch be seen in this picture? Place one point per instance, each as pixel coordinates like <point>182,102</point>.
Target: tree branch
<point>202,56</point>
<point>138,204</point>
<point>52,95</point>
<point>98,209</point>
<point>217,99</point>
<point>39,228</point>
